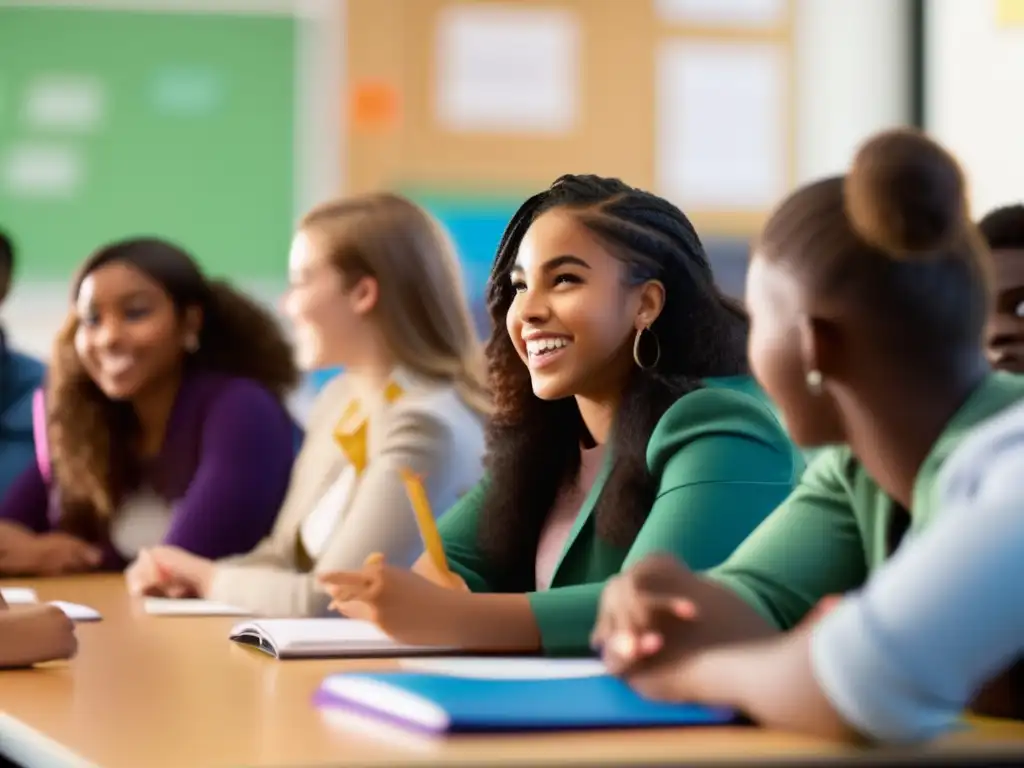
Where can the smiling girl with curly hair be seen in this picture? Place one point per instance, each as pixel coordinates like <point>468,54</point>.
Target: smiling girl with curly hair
<point>163,420</point>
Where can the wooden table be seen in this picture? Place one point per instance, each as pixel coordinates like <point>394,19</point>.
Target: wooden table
<point>148,692</point>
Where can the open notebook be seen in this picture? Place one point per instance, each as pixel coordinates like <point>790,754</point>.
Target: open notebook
<point>323,638</point>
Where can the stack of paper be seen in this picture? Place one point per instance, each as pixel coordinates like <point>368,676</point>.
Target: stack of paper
<point>162,606</point>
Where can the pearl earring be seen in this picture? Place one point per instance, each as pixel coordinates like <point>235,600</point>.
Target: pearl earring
<point>815,382</point>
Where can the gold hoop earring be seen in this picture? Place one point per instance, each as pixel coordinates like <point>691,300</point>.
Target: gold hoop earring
<point>636,349</point>
<point>815,382</point>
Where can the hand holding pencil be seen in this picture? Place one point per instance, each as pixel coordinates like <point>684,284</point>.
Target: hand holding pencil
<point>410,606</point>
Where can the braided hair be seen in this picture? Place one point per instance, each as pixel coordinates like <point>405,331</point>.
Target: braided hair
<point>533,444</point>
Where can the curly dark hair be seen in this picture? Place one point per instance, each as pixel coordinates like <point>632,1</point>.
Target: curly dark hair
<point>90,435</point>
<point>533,444</point>
<point>1003,228</point>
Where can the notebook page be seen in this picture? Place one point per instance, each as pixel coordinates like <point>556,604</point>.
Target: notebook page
<point>163,606</point>
<point>297,635</point>
<point>507,667</point>
<point>19,595</point>
<point>301,637</point>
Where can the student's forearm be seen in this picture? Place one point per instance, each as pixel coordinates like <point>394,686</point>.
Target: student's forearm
<point>496,622</point>
<point>35,635</point>
<point>15,539</point>
<point>771,681</point>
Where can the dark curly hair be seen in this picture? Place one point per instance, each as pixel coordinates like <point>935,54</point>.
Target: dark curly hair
<point>90,435</point>
<point>533,444</point>
<point>1003,228</point>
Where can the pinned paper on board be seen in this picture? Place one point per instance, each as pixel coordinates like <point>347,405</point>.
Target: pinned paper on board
<point>187,91</point>
<point>74,103</point>
<point>1010,13</point>
<point>507,69</point>
<point>375,106</point>
<point>723,13</point>
<point>39,170</point>
<point>722,125</point>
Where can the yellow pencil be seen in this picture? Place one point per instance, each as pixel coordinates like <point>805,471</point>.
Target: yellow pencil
<point>425,520</point>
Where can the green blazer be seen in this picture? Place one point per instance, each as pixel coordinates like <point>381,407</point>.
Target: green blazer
<point>832,532</point>
<point>722,461</point>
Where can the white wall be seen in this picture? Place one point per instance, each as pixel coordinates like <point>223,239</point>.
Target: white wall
<point>852,67</point>
<point>975,96</point>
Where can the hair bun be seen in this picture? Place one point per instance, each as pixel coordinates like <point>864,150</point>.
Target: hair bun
<point>905,194</point>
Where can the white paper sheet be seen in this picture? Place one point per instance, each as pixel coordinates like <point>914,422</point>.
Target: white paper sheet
<point>42,170</point>
<point>19,595</point>
<point>507,69</point>
<point>722,125</point>
<point>162,606</point>
<point>76,611</point>
<point>508,667</point>
<point>65,102</point>
<point>724,13</point>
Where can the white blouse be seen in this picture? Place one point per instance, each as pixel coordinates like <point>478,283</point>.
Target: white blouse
<point>319,524</point>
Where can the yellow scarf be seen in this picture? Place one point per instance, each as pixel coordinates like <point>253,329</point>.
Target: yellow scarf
<point>350,433</point>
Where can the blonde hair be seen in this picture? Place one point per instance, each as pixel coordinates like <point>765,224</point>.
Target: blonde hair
<point>421,306</point>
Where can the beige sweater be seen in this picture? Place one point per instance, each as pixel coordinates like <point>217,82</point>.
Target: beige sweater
<point>428,430</point>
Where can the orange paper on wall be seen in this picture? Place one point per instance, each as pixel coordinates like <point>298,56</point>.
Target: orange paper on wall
<point>375,106</point>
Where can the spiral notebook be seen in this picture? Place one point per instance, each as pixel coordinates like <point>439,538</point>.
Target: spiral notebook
<point>442,704</point>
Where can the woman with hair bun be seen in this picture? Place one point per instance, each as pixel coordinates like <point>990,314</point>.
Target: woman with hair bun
<point>163,420</point>
<point>868,297</point>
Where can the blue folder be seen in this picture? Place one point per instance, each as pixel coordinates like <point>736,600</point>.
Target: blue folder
<point>447,704</point>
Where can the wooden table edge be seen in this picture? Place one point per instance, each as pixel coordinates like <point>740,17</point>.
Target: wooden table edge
<point>28,747</point>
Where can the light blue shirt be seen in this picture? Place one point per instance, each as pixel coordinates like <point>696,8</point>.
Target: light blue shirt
<point>902,658</point>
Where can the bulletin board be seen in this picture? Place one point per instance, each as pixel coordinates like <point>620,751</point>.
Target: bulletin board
<point>614,130</point>
<point>748,46</point>
<point>116,124</point>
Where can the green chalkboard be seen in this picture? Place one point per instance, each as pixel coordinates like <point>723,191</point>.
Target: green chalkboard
<point>114,124</point>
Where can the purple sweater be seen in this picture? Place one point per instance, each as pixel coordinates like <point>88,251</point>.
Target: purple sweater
<point>224,468</point>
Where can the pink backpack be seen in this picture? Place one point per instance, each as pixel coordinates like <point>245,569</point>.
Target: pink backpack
<point>39,434</point>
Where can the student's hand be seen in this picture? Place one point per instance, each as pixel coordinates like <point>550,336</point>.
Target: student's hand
<point>36,634</point>
<point>56,553</point>
<point>824,607</point>
<point>408,607</point>
<point>144,578</point>
<point>169,572</point>
<point>24,553</point>
<point>639,608</point>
